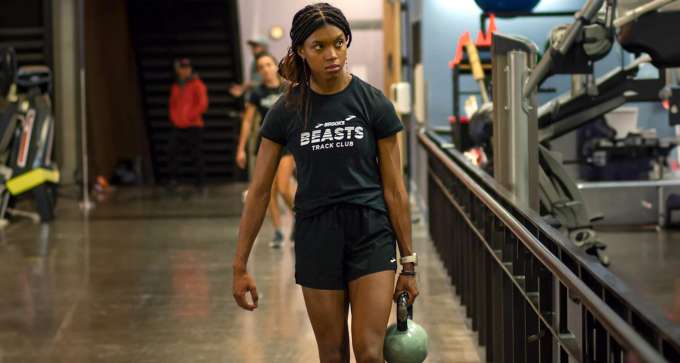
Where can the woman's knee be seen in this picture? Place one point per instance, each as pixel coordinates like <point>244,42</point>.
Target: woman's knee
<point>368,346</point>
<point>333,353</point>
<point>369,354</point>
<point>333,348</point>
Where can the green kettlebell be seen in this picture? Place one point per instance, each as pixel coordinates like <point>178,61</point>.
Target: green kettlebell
<point>405,341</point>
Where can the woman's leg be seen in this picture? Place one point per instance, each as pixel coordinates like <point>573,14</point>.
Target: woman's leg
<point>371,301</point>
<point>327,310</point>
<point>283,180</point>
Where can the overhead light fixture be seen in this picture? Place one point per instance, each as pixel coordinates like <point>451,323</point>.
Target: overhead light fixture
<point>276,32</point>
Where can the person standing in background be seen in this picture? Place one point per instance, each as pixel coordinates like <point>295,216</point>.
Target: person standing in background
<point>188,103</point>
<point>261,99</point>
<point>258,45</point>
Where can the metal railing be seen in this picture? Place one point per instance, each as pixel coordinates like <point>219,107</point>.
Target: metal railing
<point>531,295</point>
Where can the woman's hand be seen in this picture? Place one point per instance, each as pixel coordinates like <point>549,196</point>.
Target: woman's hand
<point>408,284</point>
<point>244,283</point>
<point>241,159</point>
<point>236,90</point>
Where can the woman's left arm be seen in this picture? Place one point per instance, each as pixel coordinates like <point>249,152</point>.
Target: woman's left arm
<point>398,208</point>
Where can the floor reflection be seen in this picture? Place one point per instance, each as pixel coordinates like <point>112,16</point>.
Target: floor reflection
<point>27,284</point>
<point>648,261</point>
<point>675,307</point>
<point>147,278</point>
<point>190,285</point>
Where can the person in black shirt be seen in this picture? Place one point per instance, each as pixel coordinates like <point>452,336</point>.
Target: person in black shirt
<point>351,203</point>
<point>261,99</point>
<point>258,45</point>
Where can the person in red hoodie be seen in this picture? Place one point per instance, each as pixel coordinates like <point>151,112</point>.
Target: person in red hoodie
<point>188,103</point>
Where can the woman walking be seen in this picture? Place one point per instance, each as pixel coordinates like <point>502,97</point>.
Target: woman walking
<point>351,204</point>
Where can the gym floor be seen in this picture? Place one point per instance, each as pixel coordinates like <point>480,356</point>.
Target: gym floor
<point>147,278</point>
<point>649,262</point>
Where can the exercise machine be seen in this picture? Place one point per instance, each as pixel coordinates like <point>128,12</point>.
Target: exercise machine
<point>525,163</point>
<point>26,140</point>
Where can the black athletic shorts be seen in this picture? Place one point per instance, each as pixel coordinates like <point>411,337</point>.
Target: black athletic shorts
<point>341,244</point>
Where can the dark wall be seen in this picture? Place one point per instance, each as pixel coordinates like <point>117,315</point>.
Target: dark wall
<point>26,25</point>
<point>21,13</point>
<point>206,31</point>
<point>116,129</point>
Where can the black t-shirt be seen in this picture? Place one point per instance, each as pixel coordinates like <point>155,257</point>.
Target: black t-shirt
<point>337,153</point>
<point>263,98</point>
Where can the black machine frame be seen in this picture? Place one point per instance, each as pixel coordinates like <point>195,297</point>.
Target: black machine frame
<point>615,89</point>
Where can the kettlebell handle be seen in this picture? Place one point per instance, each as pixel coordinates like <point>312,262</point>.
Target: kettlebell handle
<point>404,311</point>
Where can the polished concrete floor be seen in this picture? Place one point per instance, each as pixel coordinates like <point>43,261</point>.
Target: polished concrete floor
<point>146,278</point>
<point>648,260</point>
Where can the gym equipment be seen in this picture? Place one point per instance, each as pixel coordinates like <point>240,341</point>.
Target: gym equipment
<point>481,128</point>
<point>650,34</point>
<point>523,161</point>
<point>477,70</point>
<point>572,111</point>
<point>8,70</point>
<point>502,6</point>
<point>573,49</point>
<point>27,139</point>
<point>405,341</point>
<point>629,158</point>
<point>471,58</point>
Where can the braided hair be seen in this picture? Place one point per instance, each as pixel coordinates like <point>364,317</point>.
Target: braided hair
<point>293,67</point>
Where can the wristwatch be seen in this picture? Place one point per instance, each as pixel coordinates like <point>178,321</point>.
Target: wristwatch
<point>409,259</point>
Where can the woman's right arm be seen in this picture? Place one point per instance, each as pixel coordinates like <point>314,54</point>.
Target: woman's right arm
<point>246,127</point>
<point>251,220</point>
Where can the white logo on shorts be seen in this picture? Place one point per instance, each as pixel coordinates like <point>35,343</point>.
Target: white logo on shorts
<point>393,260</point>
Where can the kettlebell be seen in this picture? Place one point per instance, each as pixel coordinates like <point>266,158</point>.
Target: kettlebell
<point>405,341</point>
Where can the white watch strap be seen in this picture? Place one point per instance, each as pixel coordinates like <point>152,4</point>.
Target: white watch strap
<point>409,259</point>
